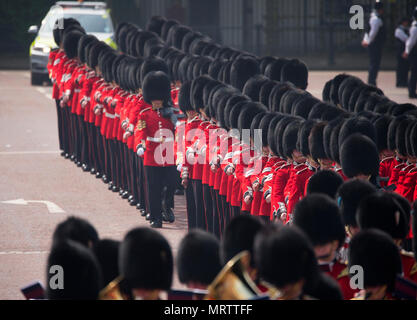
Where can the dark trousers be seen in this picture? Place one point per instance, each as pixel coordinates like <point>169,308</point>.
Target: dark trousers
<point>191,211</point>
<point>199,204</point>
<point>412,83</point>
<point>402,71</point>
<point>375,57</point>
<point>59,122</point>
<point>208,207</point>
<point>216,214</point>
<point>157,179</point>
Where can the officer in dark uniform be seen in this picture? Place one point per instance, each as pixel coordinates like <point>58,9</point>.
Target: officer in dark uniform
<point>401,37</point>
<point>411,53</point>
<point>374,40</point>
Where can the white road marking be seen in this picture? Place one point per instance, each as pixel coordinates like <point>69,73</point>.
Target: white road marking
<point>52,207</point>
<point>8,146</point>
<point>13,153</point>
<point>41,90</point>
<point>23,252</point>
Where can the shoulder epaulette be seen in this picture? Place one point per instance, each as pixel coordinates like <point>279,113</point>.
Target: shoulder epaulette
<point>387,158</point>
<point>146,109</point>
<point>343,273</point>
<point>302,170</point>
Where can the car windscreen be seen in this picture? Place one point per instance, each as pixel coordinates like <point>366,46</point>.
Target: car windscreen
<point>92,23</point>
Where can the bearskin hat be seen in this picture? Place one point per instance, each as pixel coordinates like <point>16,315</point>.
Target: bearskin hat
<point>198,258</point>
<point>220,101</point>
<point>71,40</point>
<point>75,229</point>
<point>152,47</point>
<point>325,182</point>
<point>265,61</point>
<point>296,72</point>
<point>357,125</point>
<point>274,69</point>
<point>237,109</point>
<point>346,88</point>
<point>381,125</point>
<point>153,64</point>
<point>400,136</point>
<point>303,106</point>
<point>332,112</point>
<point>243,69</point>
<point>197,87</point>
<point>318,110</point>
<point>107,253</point>
<point>363,97</point>
<point>367,249</point>
<point>303,134</point>
<point>350,195</point>
<point>359,155</point>
<point>82,277</point>
<point>166,27</point>
<point>184,100</point>
<point>334,89</point>
<point>319,217</point>
<point>373,100</point>
<point>284,256</point>
<point>256,135</point>
<point>272,128</point>
<point>249,112</point>
<point>290,98</point>
<point>315,142</point>
<point>230,105</point>
<point>214,68</point>
<point>279,135</point>
<point>276,94</point>
<point>401,109</point>
<point>264,127</point>
<point>253,86</point>
<point>380,210</point>
<point>334,141</point>
<point>145,260</point>
<point>188,40</point>
<point>265,92</point>
<point>210,87</point>
<point>326,91</point>
<point>383,106</point>
<point>327,133</point>
<point>413,140</point>
<point>290,137</point>
<point>156,86</point>
<point>392,131</point>
<point>82,44</point>
<point>155,24</point>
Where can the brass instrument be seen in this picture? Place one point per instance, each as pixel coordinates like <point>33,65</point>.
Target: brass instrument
<point>113,291</point>
<point>233,282</point>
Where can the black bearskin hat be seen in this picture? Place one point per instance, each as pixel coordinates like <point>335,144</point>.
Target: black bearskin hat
<point>290,138</point>
<point>243,69</point>
<point>302,107</point>
<point>381,128</point>
<point>319,217</point>
<point>184,100</point>
<point>350,195</point>
<point>325,182</point>
<point>303,134</point>
<point>380,210</point>
<point>145,260</point>
<point>253,86</point>
<point>357,125</point>
<point>284,256</point>
<point>153,64</point>
<point>334,89</point>
<point>296,72</point>
<point>156,86</point>
<point>155,24</point>
<point>198,258</point>
<point>315,142</point>
<point>276,94</point>
<point>359,155</point>
<point>71,40</point>
<point>107,254</point>
<point>367,249</point>
<point>273,70</point>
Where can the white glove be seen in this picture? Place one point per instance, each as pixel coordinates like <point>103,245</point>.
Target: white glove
<point>140,152</point>
<point>179,167</point>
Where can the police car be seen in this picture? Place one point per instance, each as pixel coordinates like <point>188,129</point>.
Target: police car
<point>94,17</point>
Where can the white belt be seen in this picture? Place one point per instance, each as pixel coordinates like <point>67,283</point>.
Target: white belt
<point>117,115</point>
<point>159,140</point>
<point>77,90</point>
<point>110,115</point>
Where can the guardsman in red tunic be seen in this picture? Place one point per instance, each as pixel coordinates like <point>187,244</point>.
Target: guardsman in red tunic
<point>319,217</point>
<point>191,125</point>
<point>391,214</point>
<point>157,142</point>
<point>387,156</point>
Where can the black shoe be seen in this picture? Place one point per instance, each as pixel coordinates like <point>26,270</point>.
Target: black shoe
<point>63,154</point>
<point>66,156</point>
<point>79,164</point>
<point>142,212</point>
<point>105,179</point>
<point>168,216</point>
<point>121,191</point>
<point>139,206</point>
<point>133,202</point>
<point>85,167</point>
<point>179,192</point>
<point>148,217</point>
<point>115,189</point>
<point>130,198</point>
<point>125,195</point>
<point>98,175</point>
<point>72,158</point>
<point>156,224</point>
<point>93,171</point>
<point>110,187</point>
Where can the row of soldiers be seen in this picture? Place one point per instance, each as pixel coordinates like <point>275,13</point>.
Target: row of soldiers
<point>117,113</point>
